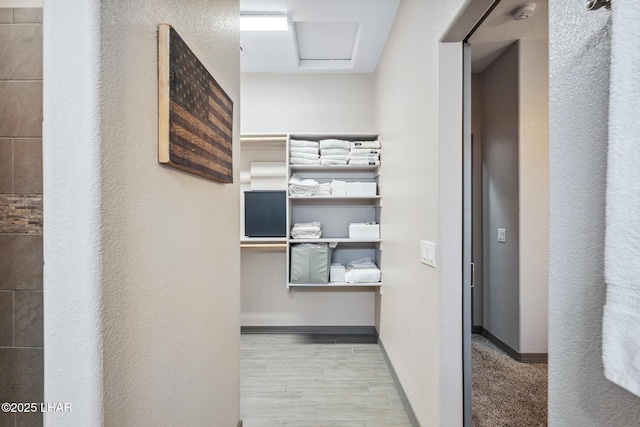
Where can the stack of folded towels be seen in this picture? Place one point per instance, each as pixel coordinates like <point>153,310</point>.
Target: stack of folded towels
<point>304,152</point>
<point>306,230</point>
<point>362,271</point>
<point>308,187</point>
<point>334,152</point>
<point>364,153</point>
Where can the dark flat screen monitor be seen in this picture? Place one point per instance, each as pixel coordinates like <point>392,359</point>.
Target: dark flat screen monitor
<point>265,213</point>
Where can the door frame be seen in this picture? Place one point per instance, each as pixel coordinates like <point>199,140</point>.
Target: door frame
<point>455,396</point>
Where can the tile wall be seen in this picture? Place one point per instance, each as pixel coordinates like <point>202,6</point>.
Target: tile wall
<point>21,258</point>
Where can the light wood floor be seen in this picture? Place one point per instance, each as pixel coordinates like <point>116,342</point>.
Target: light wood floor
<point>297,381</point>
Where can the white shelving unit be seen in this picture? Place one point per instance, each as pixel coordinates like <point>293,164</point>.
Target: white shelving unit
<point>336,212</point>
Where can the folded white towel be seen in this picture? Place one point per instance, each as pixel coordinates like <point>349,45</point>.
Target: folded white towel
<point>302,143</point>
<point>296,180</point>
<point>313,225</point>
<point>364,162</point>
<point>332,162</point>
<point>323,189</point>
<point>334,143</point>
<point>306,230</point>
<point>299,161</point>
<point>309,156</point>
<point>333,151</point>
<point>621,321</point>
<point>360,151</point>
<point>364,156</point>
<point>310,150</point>
<point>365,144</point>
<point>335,156</point>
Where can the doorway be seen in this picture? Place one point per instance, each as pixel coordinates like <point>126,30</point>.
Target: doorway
<point>505,219</point>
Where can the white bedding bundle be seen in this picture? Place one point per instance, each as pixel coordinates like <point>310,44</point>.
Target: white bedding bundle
<point>362,271</point>
<point>306,230</point>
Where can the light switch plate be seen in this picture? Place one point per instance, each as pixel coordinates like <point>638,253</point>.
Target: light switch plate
<point>428,253</point>
<point>502,235</point>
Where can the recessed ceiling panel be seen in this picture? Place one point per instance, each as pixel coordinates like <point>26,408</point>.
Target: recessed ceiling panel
<point>351,36</point>
<point>326,40</point>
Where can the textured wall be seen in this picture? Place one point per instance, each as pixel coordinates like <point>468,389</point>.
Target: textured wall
<point>331,103</point>
<point>21,314</point>
<point>500,139</point>
<point>142,276</point>
<point>579,395</point>
<point>414,299</point>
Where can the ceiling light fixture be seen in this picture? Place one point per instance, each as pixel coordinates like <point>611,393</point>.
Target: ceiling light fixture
<point>524,12</point>
<point>263,22</point>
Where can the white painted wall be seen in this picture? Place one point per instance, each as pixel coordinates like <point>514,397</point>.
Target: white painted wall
<point>73,260</point>
<point>288,103</point>
<point>500,139</point>
<point>419,308</point>
<point>533,112</point>
<point>142,261</point>
<point>282,103</point>
<point>579,394</point>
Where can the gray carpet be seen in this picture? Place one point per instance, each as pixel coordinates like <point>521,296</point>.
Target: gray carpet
<point>506,393</point>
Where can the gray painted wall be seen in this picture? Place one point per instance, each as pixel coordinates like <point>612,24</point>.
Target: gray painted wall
<point>476,130</point>
<point>579,395</point>
<point>500,201</point>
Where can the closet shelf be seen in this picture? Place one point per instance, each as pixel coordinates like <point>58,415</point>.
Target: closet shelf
<point>344,198</point>
<point>335,240</point>
<point>334,285</point>
<point>333,167</point>
<point>263,240</point>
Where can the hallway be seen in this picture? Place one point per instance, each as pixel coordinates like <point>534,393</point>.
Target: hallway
<point>304,380</point>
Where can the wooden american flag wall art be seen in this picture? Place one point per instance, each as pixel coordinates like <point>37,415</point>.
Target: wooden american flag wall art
<point>195,116</point>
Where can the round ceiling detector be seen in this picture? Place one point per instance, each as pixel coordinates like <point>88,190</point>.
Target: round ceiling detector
<point>524,12</point>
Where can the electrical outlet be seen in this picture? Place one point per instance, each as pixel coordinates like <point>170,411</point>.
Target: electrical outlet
<point>502,235</point>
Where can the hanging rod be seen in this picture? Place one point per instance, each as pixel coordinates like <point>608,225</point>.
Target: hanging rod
<point>597,4</point>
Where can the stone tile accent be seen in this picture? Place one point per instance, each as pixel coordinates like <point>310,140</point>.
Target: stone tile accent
<point>28,52</point>
<point>22,374</point>
<point>6,51</point>
<point>27,164</point>
<point>29,321</point>
<point>6,15</point>
<point>27,15</point>
<point>21,109</point>
<point>21,213</point>
<point>6,319</point>
<point>6,166</point>
<point>21,263</point>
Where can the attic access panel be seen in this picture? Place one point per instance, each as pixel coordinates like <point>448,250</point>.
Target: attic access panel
<point>323,41</point>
